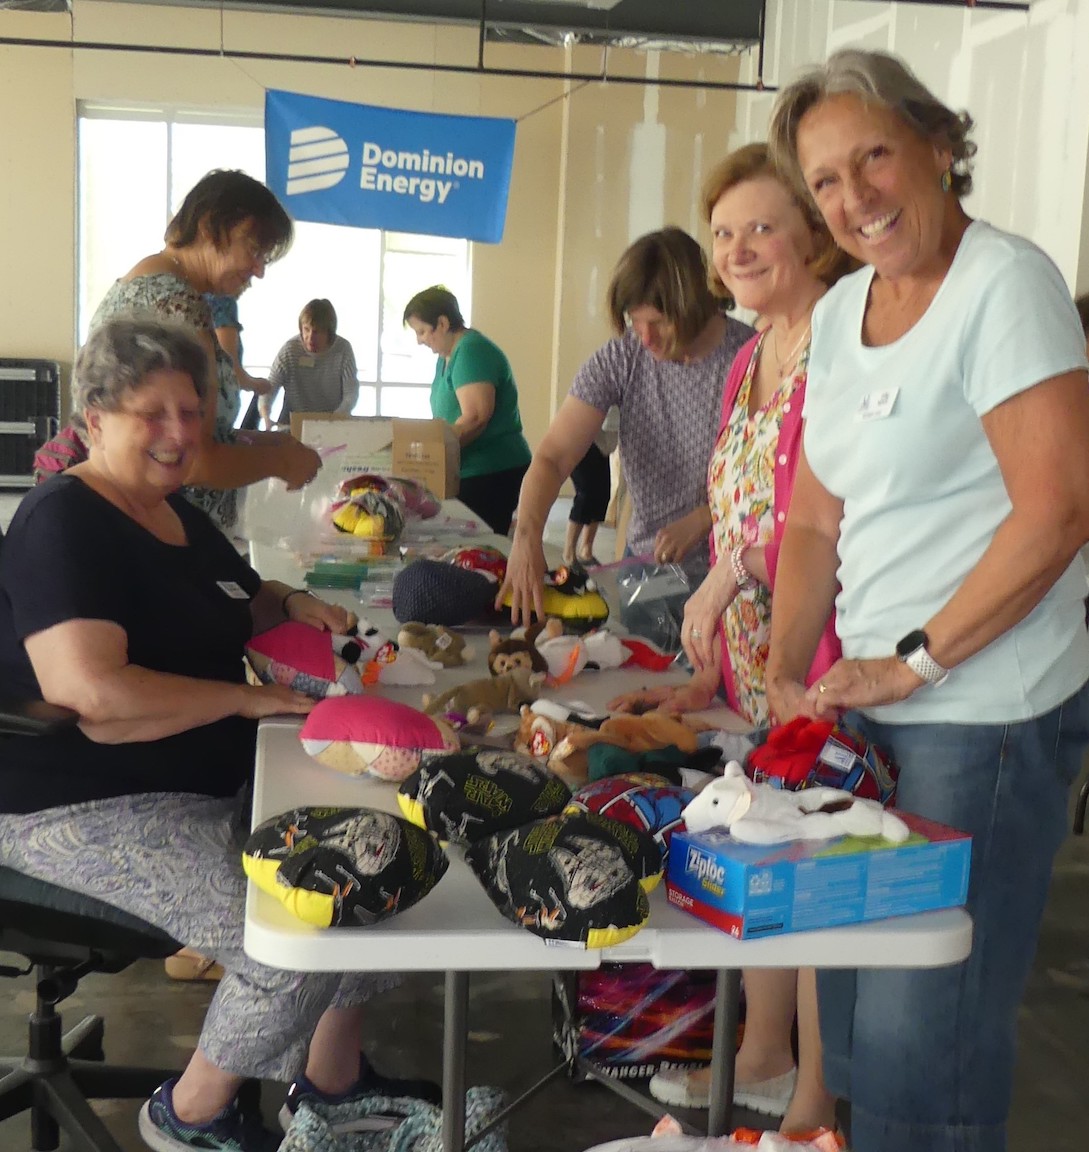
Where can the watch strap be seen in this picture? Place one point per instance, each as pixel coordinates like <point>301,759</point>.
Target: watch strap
<point>925,666</point>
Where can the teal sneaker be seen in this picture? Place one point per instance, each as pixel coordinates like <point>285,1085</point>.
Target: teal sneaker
<point>230,1131</point>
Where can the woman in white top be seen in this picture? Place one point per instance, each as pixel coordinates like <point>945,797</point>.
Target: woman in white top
<point>940,502</point>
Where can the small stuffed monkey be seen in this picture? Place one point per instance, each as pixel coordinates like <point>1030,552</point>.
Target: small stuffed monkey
<point>761,814</point>
<point>520,651</point>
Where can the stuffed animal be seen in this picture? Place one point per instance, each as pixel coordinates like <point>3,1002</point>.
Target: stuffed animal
<point>572,596</point>
<point>545,648</point>
<point>370,513</point>
<point>439,645</point>
<point>761,814</point>
<point>521,648</point>
<point>384,662</point>
<point>555,735</point>
<point>493,694</point>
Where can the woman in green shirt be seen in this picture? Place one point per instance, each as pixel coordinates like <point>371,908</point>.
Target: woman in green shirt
<point>474,390</point>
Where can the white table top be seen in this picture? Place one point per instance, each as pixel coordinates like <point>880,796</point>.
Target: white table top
<point>456,927</point>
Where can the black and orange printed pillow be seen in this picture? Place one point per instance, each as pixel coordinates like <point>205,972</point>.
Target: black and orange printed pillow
<point>343,867</point>
<point>577,878</point>
<point>465,796</point>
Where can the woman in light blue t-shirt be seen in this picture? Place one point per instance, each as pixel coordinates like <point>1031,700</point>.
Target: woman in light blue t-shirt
<point>940,504</point>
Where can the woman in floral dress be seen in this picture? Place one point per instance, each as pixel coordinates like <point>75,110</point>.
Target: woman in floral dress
<point>227,230</point>
<point>776,258</point>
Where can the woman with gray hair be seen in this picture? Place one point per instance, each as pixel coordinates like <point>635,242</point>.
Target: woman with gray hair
<point>939,505</point>
<point>121,600</point>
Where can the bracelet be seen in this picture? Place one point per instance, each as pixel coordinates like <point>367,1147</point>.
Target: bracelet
<point>293,592</point>
<point>745,579</point>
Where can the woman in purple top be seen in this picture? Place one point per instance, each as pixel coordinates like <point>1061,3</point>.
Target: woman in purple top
<point>664,370</point>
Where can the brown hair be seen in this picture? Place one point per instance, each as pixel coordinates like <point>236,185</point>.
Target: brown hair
<point>320,314</point>
<point>666,270</point>
<point>875,77</point>
<point>431,303</point>
<point>224,199</point>
<point>750,163</point>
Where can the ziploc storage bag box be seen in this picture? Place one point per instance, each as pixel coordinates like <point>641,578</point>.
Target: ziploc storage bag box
<point>763,890</point>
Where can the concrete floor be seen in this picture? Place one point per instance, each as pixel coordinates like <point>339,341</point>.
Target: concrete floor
<point>152,1020</point>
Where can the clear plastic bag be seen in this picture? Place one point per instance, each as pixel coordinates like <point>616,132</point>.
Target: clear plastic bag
<point>651,599</point>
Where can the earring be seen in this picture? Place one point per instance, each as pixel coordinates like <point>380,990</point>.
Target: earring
<point>947,180</point>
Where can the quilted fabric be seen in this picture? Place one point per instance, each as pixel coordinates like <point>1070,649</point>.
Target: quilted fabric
<point>369,734</point>
<point>302,658</point>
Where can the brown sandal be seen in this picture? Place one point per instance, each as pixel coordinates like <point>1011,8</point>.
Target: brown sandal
<point>188,965</point>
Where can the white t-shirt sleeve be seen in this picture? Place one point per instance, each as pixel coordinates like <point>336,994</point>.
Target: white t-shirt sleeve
<point>1024,329</point>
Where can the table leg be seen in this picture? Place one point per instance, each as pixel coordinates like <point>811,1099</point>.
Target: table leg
<point>724,1051</point>
<point>454,1036</point>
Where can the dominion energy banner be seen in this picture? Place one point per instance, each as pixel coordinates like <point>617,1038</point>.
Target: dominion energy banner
<point>337,163</point>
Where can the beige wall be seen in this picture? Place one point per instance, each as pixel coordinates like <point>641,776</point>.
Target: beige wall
<point>573,207</point>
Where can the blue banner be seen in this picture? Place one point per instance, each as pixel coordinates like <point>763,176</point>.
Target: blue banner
<point>367,167</point>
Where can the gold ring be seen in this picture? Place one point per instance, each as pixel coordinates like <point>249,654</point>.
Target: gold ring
<point>822,687</point>
<point>695,632</point>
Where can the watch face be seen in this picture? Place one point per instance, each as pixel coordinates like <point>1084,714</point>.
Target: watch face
<point>912,642</point>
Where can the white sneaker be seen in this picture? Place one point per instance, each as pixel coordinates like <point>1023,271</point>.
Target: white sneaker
<point>691,1088</point>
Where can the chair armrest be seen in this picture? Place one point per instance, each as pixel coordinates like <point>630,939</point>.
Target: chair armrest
<point>34,718</point>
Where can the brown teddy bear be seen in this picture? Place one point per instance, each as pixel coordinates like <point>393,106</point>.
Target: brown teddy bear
<point>436,643</point>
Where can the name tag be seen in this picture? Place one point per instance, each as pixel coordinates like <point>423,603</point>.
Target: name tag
<point>877,405</point>
<point>235,591</point>
<point>306,362</point>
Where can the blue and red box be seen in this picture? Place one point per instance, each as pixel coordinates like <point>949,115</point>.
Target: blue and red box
<point>763,890</point>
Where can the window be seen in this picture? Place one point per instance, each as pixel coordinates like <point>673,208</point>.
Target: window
<point>135,167</point>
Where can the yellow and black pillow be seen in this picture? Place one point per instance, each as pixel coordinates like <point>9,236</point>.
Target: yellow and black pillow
<point>343,867</point>
<point>579,878</point>
<point>465,796</point>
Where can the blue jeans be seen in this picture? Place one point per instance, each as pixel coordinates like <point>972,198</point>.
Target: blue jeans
<point>926,1056</point>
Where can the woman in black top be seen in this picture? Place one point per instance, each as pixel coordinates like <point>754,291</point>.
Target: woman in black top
<point>122,601</point>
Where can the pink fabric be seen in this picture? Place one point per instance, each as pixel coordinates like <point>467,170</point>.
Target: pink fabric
<point>790,443</point>
<point>372,720</point>
<point>299,646</point>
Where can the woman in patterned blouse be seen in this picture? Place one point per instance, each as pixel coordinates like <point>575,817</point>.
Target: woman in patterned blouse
<point>774,256</point>
<point>228,229</point>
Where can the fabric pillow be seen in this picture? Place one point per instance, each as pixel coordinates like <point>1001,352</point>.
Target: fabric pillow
<point>358,734</point>
<point>464,796</point>
<point>642,800</point>
<point>305,659</point>
<point>579,878</point>
<point>343,867</point>
<point>572,596</point>
<point>434,592</point>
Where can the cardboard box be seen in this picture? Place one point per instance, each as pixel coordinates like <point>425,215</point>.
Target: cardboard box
<point>751,891</point>
<point>349,444</point>
<point>428,451</point>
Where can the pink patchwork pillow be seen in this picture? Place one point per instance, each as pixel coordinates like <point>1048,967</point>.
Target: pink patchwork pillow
<point>361,734</point>
<point>306,659</point>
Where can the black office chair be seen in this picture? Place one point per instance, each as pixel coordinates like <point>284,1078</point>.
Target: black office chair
<point>64,937</point>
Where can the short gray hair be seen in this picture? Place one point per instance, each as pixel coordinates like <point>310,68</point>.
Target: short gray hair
<point>878,78</point>
<point>121,353</point>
